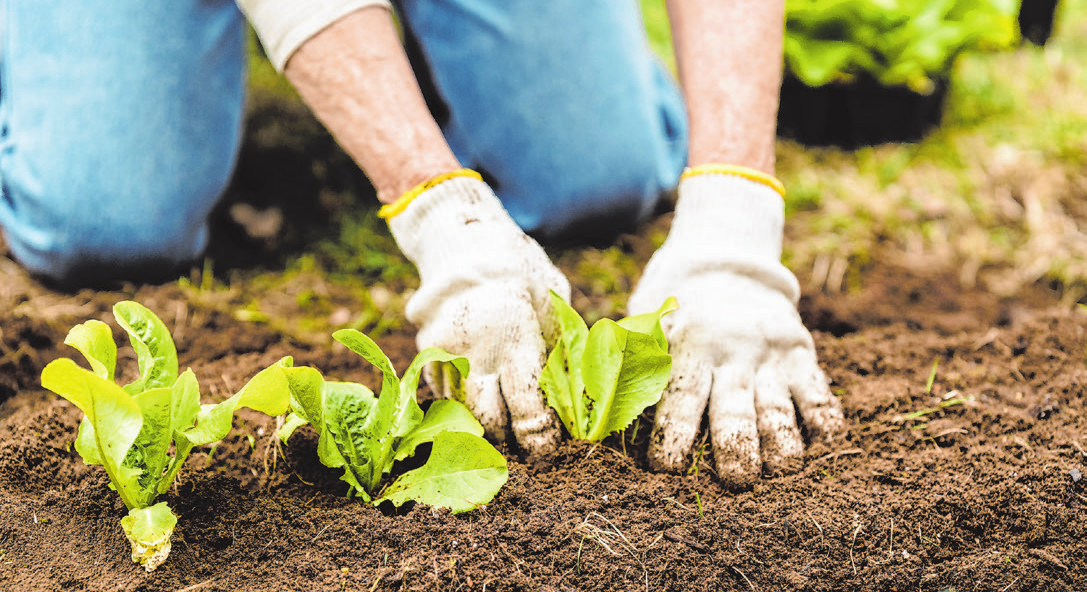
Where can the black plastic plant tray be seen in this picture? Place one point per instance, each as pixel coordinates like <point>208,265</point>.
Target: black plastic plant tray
<point>1036,20</point>
<point>861,113</point>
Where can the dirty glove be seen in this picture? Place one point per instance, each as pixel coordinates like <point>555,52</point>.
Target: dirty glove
<point>737,340</point>
<point>483,294</point>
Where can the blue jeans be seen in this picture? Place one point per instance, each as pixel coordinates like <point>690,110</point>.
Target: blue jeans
<point>559,103</point>
<point>120,121</point>
<point>120,124</point>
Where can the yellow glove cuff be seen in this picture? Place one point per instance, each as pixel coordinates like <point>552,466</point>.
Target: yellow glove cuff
<point>389,210</point>
<point>740,171</point>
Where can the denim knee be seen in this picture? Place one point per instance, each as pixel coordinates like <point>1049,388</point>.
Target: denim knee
<point>589,181</point>
<point>600,188</point>
<point>559,104</point>
<point>119,126</point>
<point>109,232</point>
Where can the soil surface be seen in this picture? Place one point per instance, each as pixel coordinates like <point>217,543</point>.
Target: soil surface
<point>967,477</point>
<point>973,482</point>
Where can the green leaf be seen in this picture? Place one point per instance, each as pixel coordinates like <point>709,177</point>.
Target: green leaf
<point>166,411</point>
<point>290,425</point>
<point>149,452</point>
<point>365,347</point>
<point>897,42</point>
<point>94,340</point>
<point>185,408</point>
<point>376,433</point>
<point>650,323</point>
<point>365,434</point>
<point>149,530</point>
<point>155,351</point>
<point>184,402</point>
<point>86,442</point>
<point>267,392</point>
<point>599,380</point>
<point>624,373</point>
<point>338,412</point>
<point>396,412</point>
<point>346,442</point>
<point>409,413</point>
<point>443,416</point>
<point>463,472</point>
<point>329,450</point>
<point>560,381</point>
<point>573,330</point>
<point>115,417</point>
<point>561,378</point>
<point>305,385</point>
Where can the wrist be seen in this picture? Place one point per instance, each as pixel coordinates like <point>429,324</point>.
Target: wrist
<point>392,180</point>
<point>723,224</point>
<point>451,220</point>
<point>401,203</point>
<point>729,216</point>
<point>757,175</point>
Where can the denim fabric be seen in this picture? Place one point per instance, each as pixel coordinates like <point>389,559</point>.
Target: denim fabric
<point>561,105</point>
<point>120,121</point>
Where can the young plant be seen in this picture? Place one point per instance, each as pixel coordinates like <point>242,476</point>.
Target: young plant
<point>130,430</point>
<point>599,380</point>
<point>365,435</point>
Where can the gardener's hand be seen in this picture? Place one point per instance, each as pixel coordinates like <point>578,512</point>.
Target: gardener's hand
<point>483,295</point>
<point>736,339</point>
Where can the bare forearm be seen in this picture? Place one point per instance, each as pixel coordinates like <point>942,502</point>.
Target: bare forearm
<point>730,58</point>
<point>355,77</point>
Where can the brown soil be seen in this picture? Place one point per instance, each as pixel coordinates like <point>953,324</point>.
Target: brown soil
<point>985,492</point>
<point>981,488</point>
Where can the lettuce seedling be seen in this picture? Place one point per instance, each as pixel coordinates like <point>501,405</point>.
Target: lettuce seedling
<point>130,430</point>
<point>365,435</point>
<point>599,380</point>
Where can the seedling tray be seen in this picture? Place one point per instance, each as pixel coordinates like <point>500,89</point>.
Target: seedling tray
<point>1036,20</point>
<point>861,113</point>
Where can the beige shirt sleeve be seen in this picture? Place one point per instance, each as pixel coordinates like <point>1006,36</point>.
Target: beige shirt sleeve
<point>284,25</point>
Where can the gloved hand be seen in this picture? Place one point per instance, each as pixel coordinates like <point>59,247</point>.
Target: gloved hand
<point>737,340</point>
<point>483,295</point>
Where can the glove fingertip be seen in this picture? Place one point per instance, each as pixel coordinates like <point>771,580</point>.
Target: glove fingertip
<point>537,441</point>
<point>484,399</point>
<point>671,443</point>
<point>825,422</point>
<point>680,411</point>
<point>535,425</point>
<point>664,459</point>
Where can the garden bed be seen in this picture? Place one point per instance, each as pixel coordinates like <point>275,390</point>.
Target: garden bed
<point>973,483</point>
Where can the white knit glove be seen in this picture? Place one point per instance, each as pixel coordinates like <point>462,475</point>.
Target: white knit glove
<point>737,340</point>
<point>483,294</point>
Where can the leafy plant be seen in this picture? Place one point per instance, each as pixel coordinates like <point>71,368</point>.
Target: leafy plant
<point>365,435</point>
<point>130,430</point>
<point>599,380</point>
<point>897,42</point>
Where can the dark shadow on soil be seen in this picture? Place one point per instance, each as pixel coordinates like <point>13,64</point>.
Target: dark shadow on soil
<point>291,182</point>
